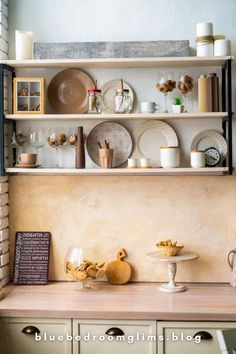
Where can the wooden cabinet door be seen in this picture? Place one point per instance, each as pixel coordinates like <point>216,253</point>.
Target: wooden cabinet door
<point>14,341</point>
<point>109,338</point>
<point>179,337</point>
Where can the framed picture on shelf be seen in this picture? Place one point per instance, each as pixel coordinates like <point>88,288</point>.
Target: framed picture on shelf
<point>29,95</point>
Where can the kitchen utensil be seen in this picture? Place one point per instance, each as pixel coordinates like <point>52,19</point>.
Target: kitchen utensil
<point>149,107</point>
<point>118,272</point>
<point>27,159</point>
<point>232,263</point>
<point>118,138</point>
<point>67,91</point>
<point>210,138</point>
<point>108,92</point>
<point>106,156</point>
<point>149,136</point>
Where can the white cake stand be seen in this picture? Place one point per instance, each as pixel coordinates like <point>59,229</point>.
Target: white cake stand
<point>172,261</point>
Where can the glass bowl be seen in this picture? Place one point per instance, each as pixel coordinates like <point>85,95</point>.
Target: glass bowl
<point>84,265</point>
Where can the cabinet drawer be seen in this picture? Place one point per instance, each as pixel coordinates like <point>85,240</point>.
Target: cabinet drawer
<point>179,337</point>
<point>107,344</point>
<point>13,341</point>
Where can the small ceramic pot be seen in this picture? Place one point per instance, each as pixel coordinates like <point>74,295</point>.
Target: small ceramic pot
<point>170,156</point>
<point>198,159</point>
<point>178,108</point>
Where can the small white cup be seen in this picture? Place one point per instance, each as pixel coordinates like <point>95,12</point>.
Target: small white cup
<point>198,159</point>
<point>149,107</point>
<point>132,162</point>
<point>144,163</point>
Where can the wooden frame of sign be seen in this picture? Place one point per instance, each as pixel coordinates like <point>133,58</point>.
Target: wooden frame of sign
<point>31,258</point>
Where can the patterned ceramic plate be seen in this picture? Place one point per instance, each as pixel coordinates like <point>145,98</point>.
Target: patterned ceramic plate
<point>109,91</point>
<point>210,138</point>
<point>118,138</point>
<point>149,136</point>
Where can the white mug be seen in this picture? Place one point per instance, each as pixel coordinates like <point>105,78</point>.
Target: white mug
<point>198,159</point>
<point>149,107</point>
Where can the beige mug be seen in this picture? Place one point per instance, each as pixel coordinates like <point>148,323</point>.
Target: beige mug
<point>105,157</point>
<point>27,159</point>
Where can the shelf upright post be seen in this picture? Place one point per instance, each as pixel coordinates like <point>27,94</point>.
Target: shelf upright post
<point>2,155</point>
<point>229,109</point>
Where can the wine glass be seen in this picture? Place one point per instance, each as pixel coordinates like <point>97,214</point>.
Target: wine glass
<point>72,137</point>
<point>18,141</point>
<point>85,265</point>
<point>56,139</point>
<point>37,138</point>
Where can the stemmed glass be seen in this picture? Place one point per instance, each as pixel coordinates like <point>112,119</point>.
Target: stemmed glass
<point>72,138</point>
<point>56,139</point>
<point>37,138</point>
<point>18,141</point>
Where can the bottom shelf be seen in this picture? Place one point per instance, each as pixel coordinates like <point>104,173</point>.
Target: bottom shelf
<point>207,171</point>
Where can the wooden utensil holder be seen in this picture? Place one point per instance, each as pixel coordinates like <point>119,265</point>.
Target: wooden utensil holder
<point>106,156</point>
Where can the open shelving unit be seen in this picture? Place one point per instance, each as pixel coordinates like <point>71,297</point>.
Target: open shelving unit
<point>226,114</point>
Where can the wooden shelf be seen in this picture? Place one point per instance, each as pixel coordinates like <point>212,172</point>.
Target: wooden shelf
<point>139,116</point>
<point>119,62</point>
<point>119,171</point>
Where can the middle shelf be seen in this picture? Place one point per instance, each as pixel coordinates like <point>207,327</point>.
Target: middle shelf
<point>138,116</point>
<point>206,171</point>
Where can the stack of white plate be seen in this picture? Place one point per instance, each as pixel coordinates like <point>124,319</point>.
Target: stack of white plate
<point>4,233</point>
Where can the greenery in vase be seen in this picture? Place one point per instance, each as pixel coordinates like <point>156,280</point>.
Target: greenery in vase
<point>178,101</point>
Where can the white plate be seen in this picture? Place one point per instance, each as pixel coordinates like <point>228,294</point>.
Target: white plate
<point>210,138</point>
<point>109,91</point>
<point>149,137</point>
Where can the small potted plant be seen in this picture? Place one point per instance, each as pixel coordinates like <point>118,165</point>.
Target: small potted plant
<point>178,106</point>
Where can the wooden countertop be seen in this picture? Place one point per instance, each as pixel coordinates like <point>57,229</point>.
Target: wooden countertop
<point>132,301</point>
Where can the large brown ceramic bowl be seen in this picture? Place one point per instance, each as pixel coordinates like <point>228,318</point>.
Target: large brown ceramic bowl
<point>67,91</point>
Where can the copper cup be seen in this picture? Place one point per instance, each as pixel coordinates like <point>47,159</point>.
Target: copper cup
<point>105,157</point>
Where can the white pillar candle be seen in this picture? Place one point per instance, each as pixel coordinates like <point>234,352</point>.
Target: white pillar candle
<point>170,156</point>
<point>204,29</point>
<point>222,47</point>
<point>132,162</point>
<point>198,159</point>
<point>23,45</point>
<point>144,162</point>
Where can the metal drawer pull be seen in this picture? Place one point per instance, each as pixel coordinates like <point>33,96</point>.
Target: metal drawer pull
<point>30,330</point>
<point>114,331</point>
<point>203,335</point>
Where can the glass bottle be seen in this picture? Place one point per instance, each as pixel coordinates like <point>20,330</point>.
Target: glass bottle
<point>94,101</point>
<point>122,101</point>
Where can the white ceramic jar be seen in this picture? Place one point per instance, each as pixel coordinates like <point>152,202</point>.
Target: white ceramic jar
<point>222,47</point>
<point>198,159</point>
<point>170,156</point>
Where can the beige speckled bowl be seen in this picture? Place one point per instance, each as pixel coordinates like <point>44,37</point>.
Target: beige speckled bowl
<point>169,251</point>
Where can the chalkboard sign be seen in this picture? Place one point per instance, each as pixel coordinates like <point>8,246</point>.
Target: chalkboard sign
<point>31,261</point>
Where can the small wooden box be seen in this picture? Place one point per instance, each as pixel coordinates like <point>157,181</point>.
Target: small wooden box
<point>28,95</point>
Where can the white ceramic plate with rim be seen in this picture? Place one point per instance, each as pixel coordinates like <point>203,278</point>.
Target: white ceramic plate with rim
<point>108,93</point>
<point>149,136</point>
<point>210,138</point>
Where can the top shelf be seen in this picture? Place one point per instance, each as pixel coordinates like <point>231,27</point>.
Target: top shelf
<point>119,62</point>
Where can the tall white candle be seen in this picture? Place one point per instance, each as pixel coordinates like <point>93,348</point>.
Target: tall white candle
<point>23,45</point>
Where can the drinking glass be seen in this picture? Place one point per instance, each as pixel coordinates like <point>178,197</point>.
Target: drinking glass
<point>56,139</point>
<point>37,138</point>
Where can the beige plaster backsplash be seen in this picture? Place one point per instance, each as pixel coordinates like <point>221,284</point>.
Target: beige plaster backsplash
<point>199,212</point>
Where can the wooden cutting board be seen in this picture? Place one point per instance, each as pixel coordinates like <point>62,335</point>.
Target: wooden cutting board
<point>118,272</point>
